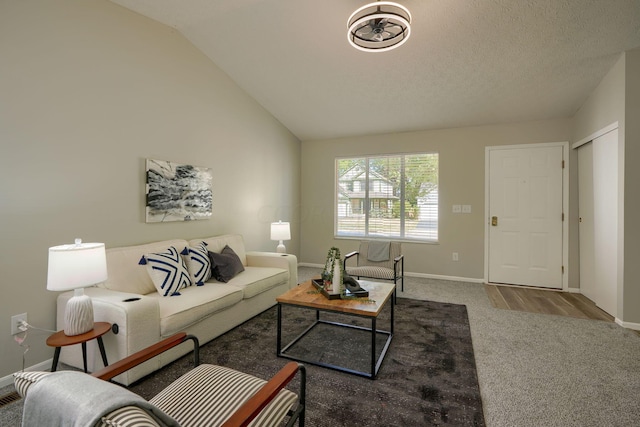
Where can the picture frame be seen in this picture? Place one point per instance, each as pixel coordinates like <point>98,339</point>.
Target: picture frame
<point>177,192</point>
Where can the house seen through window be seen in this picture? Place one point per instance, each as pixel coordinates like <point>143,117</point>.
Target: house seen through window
<point>393,196</point>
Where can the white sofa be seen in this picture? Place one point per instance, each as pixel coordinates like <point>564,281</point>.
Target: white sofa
<point>129,300</point>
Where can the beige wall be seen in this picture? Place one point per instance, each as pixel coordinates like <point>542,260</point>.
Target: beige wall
<point>462,181</point>
<point>89,90</point>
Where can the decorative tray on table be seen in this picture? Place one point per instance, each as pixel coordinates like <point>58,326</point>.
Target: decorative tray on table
<point>352,290</point>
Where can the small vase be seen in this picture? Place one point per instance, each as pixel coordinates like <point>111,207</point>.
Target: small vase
<point>337,279</point>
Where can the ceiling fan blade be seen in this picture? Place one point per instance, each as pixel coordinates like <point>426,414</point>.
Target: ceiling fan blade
<point>364,31</point>
<point>393,30</point>
<point>364,28</point>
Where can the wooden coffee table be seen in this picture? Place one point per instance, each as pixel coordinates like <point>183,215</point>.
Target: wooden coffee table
<point>305,295</point>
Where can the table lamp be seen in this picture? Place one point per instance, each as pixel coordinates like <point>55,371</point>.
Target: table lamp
<point>77,266</point>
<point>280,231</point>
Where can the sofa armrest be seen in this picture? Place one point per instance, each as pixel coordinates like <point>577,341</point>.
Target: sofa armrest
<point>271,259</point>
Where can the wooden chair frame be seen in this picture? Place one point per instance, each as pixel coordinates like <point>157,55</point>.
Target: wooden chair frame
<point>250,409</point>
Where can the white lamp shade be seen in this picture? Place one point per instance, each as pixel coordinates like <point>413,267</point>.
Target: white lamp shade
<point>76,266</point>
<point>280,231</point>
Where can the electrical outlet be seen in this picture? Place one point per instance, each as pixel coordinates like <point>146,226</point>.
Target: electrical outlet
<point>16,321</point>
<point>454,256</point>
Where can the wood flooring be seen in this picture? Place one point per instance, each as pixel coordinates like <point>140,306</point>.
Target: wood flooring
<point>544,301</point>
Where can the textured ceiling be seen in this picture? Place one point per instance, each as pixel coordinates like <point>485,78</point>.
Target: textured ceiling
<point>467,62</point>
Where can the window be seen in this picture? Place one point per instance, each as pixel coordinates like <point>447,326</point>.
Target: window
<point>388,197</point>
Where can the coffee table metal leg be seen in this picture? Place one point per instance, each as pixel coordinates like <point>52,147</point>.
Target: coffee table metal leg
<point>103,353</point>
<point>279,336</point>
<point>373,346</point>
<point>56,356</point>
<point>392,320</point>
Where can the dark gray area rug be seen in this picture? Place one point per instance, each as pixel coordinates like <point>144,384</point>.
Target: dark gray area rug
<point>428,377</point>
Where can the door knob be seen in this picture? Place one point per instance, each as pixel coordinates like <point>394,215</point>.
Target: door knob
<point>494,221</point>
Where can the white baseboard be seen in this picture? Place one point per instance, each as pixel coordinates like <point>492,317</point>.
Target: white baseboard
<point>42,366</point>
<point>422,275</point>
<point>441,277</point>
<point>628,325</point>
<point>309,264</point>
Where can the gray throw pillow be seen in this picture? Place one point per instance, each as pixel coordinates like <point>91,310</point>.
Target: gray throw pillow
<point>225,265</point>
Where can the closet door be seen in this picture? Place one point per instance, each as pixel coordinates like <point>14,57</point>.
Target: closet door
<point>588,286</point>
<point>598,211</point>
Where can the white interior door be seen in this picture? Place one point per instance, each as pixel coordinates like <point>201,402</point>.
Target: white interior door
<point>526,216</point>
<point>585,210</point>
<point>598,210</point>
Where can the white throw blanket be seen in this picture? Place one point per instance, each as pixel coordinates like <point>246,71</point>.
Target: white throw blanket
<point>378,251</point>
<point>69,398</point>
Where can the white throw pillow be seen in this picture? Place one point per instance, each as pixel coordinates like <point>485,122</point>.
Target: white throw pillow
<point>198,263</point>
<point>167,271</point>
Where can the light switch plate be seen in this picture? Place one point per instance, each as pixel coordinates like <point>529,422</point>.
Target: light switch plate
<point>466,208</point>
<point>457,209</point>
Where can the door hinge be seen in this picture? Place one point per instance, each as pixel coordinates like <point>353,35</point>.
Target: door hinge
<point>562,216</point>
<point>563,269</point>
<point>563,164</point>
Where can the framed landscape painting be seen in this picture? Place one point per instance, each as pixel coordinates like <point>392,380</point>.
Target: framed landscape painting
<point>177,192</point>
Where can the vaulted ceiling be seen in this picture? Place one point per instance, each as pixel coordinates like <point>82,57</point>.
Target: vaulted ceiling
<point>467,62</point>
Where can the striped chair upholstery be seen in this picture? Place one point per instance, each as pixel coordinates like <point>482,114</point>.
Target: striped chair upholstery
<point>128,416</point>
<point>391,269</point>
<point>23,380</point>
<point>208,395</point>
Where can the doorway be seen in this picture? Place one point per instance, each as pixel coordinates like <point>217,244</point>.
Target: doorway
<point>526,199</point>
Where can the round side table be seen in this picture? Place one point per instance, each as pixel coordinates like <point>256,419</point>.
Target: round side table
<point>59,339</point>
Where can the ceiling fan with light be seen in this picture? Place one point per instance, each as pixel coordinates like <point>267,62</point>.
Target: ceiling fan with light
<point>379,26</point>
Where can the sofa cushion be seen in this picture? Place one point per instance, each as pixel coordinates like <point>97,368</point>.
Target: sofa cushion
<point>167,270</point>
<point>198,263</point>
<point>124,273</point>
<point>255,280</point>
<point>194,304</point>
<point>217,243</point>
<point>225,265</point>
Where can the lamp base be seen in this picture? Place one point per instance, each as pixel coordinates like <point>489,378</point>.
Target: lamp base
<point>281,249</point>
<point>78,316</point>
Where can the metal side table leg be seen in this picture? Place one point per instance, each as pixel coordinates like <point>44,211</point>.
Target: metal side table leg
<point>103,353</point>
<point>56,356</point>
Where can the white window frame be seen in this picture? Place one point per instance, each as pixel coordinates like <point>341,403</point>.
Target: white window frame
<point>338,210</point>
